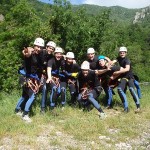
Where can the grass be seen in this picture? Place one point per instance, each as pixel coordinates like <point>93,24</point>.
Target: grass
<point>72,129</point>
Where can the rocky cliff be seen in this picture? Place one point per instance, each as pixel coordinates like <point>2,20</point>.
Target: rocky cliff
<point>142,14</point>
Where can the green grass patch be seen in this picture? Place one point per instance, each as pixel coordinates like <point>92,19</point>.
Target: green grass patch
<point>73,124</point>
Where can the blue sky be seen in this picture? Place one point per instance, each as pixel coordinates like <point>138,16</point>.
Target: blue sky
<point>123,3</point>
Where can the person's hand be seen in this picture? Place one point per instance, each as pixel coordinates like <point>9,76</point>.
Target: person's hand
<point>49,80</point>
<point>27,51</point>
<point>108,67</point>
<point>96,72</point>
<point>30,49</point>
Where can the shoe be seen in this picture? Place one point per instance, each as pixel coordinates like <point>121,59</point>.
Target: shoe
<point>26,118</point>
<point>108,107</point>
<point>138,110</point>
<point>42,111</point>
<point>62,107</point>
<point>126,110</point>
<point>19,113</point>
<point>102,115</point>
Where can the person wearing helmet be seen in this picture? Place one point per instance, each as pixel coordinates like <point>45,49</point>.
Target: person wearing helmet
<point>38,45</point>
<point>46,55</point>
<point>92,58</point>
<point>126,79</point>
<point>31,86</point>
<point>89,88</point>
<point>55,78</point>
<point>104,72</point>
<point>71,69</point>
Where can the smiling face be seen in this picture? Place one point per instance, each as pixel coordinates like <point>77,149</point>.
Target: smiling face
<point>69,61</point>
<point>102,62</point>
<point>85,72</point>
<point>50,49</point>
<point>37,49</point>
<point>58,56</point>
<point>122,54</point>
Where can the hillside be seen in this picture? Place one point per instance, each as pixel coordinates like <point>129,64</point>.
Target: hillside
<point>118,13</point>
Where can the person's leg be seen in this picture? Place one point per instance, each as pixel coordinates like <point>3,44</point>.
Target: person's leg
<point>73,91</point>
<point>21,102</point>
<point>18,106</point>
<point>133,93</point>
<point>93,101</point>
<point>29,103</point>
<point>109,95</point>
<point>122,95</point>
<point>53,95</point>
<point>136,83</point>
<point>91,97</point>
<point>63,92</point>
<point>44,96</point>
<point>28,106</point>
<point>79,99</point>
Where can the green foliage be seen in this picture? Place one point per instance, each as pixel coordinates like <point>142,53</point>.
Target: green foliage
<point>18,31</point>
<point>74,28</point>
<point>22,13</point>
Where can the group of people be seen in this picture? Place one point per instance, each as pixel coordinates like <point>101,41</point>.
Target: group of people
<point>48,70</point>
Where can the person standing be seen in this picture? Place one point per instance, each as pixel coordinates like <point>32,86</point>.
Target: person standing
<point>56,79</point>
<point>31,79</point>
<point>71,69</point>
<point>47,54</point>
<point>126,79</point>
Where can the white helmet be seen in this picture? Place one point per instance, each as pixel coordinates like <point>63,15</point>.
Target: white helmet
<point>51,43</point>
<point>123,49</point>
<point>58,50</point>
<point>39,42</point>
<point>85,65</point>
<point>90,50</point>
<point>70,55</point>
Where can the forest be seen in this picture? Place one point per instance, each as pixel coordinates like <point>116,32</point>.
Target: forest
<point>74,28</point>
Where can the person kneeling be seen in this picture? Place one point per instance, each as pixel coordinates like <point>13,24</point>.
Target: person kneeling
<point>89,87</point>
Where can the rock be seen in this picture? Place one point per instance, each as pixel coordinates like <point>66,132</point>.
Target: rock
<point>2,17</point>
<point>141,15</point>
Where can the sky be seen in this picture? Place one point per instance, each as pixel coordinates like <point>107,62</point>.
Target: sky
<point>123,3</point>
